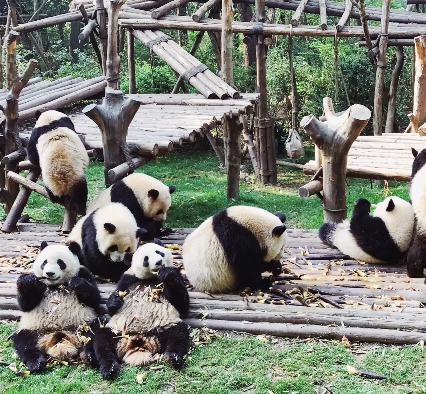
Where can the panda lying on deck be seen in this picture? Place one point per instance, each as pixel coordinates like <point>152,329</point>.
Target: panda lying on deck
<point>146,318</point>
<point>58,297</point>
<point>382,238</point>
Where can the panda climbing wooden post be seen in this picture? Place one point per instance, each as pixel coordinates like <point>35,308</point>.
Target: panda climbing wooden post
<point>334,138</point>
<point>113,118</point>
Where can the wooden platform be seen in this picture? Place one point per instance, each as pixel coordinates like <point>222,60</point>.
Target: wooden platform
<point>387,156</point>
<point>319,294</point>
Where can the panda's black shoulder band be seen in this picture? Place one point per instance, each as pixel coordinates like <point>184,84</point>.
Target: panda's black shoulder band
<point>63,122</point>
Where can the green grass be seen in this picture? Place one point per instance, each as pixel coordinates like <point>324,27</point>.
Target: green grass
<point>201,191</point>
<point>233,363</point>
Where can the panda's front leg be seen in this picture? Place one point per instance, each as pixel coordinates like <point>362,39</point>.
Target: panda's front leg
<point>30,291</point>
<point>175,344</point>
<point>273,266</point>
<point>25,344</point>
<point>174,289</point>
<point>85,289</point>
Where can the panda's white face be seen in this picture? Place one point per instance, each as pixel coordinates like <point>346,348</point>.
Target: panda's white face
<point>56,265</point>
<point>148,259</point>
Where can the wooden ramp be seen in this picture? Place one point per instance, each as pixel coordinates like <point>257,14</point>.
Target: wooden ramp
<point>320,293</point>
<point>387,156</point>
<point>164,121</point>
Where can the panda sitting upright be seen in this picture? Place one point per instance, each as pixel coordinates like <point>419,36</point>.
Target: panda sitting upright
<point>56,148</point>
<point>56,299</point>
<point>146,318</point>
<point>382,238</point>
<point>416,257</point>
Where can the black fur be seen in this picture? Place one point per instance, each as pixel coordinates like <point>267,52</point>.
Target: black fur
<point>30,291</point>
<point>86,289</point>
<point>416,257</point>
<point>76,201</point>
<point>174,344</point>
<point>243,251</point>
<point>93,258</point>
<point>25,344</point>
<point>174,289</point>
<point>114,301</point>
<point>418,162</point>
<point>324,231</point>
<point>371,234</point>
<point>39,131</point>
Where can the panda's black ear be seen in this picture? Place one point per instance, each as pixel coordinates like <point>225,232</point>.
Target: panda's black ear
<point>281,216</point>
<point>141,233</point>
<point>153,193</point>
<point>74,247</point>
<point>279,230</point>
<point>109,227</point>
<point>127,259</point>
<point>43,245</point>
<point>414,152</point>
<point>391,206</point>
<point>37,114</point>
<point>172,188</point>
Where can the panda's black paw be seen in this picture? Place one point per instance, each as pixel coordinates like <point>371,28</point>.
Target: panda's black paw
<point>168,275</point>
<point>110,371</point>
<point>79,285</point>
<point>30,281</point>
<point>174,359</point>
<point>264,284</point>
<point>37,364</point>
<point>114,303</point>
<point>276,267</point>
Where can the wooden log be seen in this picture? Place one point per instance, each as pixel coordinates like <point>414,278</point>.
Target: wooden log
<point>345,17</point>
<point>407,42</point>
<point>101,17</point>
<point>19,204</point>
<point>380,70</point>
<point>47,22</point>
<point>202,11</point>
<point>124,169</point>
<point>298,13</point>
<point>248,139</point>
<point>323,14</point>
<point>27,183</point>
<point>311,188</point>
<point>166,8</point>
<point>233,158</point>
<point>227,42</point>
<point>113,59</point>
<point>92,23</point>
<point>113,118</point>
<point>334,138</point>
<point>131,61</point>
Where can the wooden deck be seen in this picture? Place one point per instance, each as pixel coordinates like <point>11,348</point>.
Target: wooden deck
<point>319,294</point>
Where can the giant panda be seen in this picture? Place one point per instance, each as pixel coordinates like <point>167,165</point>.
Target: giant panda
<point>57,299</point>
<point>146,197</point>
<point>416,256</point>
<point>146,318</point>
<point>232,248</point>
<point>383,237</point>
<point>56,148</point>
<point>105,236</point>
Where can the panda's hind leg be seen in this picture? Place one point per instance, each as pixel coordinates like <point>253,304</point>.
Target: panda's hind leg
<point>175,344</point>
<point>78,197</point>
<point>25,344</point>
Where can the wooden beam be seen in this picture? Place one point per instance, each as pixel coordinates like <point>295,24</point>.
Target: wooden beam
<point>298,13</point>
<point>202,11</point>
<point>345,17</point>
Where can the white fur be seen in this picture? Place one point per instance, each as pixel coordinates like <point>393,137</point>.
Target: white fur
<point>155,260</point>
<point>124,237</point>
<point>141,184</point>
<point>204,259</point>
<point>418,198</point>
<point>63,157</point>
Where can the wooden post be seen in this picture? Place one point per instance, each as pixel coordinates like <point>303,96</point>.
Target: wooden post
<point>380,71</point>
<point>131,61</point>
<point>233,157</point>
<point>418,116</point>
<point>101,16</point>
<point>227,44</point>
<point>113,59</point>
<point>334,138</point>
<point>1,63</point>
<point>390,118</point>
<point>113,118</point>
<point>265,132</point>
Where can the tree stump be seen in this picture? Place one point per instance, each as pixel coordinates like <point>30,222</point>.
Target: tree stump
<point>334,138</point>
<point>113,118</point>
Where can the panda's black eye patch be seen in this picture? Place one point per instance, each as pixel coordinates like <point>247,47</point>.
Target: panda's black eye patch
<point>146,261</point>
<point>61,264</point>
<point>160,212</point>
<point>43,264</point>
<point>160,253</point>
<point>113,248</point>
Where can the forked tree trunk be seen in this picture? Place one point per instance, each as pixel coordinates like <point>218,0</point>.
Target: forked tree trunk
<point>334,138</point>
<point>390,119</point>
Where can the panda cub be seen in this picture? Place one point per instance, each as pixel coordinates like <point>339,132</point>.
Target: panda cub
<point>146,316</point>
<point>105,236</point>
<point>56,299</point>
<point>147,198</point>
<point>381,238</point>
<point>232,248</point>
<point>416,257</point>
<point>55,147</point>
